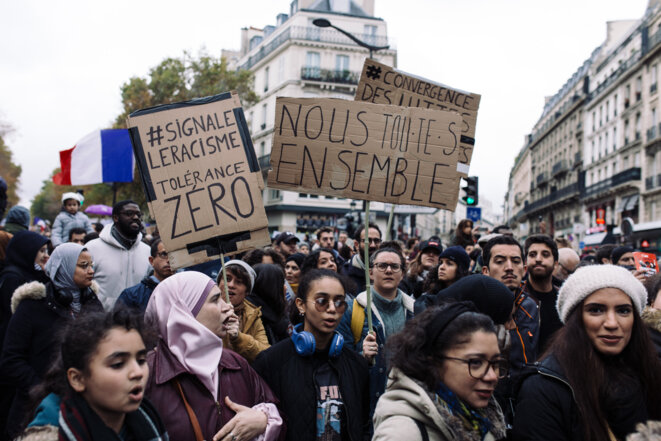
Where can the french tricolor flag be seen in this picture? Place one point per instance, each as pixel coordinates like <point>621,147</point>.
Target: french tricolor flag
<point>101,156</point>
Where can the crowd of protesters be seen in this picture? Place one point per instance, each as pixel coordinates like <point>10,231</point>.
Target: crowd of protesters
<point>481,338</point>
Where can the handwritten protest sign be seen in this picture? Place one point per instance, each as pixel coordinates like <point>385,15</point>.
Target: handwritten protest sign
<point>201,177</point>
<point>383,84</point>
<point>401,155</point>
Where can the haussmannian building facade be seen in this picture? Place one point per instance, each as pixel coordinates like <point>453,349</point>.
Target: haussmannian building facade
<point>595,151</point>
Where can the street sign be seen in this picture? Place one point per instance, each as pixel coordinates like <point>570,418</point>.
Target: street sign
<point>581,244</point>
<point>474,213</point>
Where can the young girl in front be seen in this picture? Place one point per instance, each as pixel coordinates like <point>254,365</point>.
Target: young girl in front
<point>95,391</point>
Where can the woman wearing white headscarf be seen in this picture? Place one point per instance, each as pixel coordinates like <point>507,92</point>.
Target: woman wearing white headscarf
<point>39,311</point>
<point>201,389</point>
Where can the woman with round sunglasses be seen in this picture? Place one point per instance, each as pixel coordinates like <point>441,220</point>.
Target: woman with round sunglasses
<point>445,367</point>
<point>322,385</point>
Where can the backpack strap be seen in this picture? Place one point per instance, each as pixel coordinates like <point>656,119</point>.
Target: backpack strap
<point>357,320</point>
<point>191,414</point>
<point>423,429</point>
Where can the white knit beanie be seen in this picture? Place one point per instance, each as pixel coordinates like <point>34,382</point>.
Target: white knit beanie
<point>251,272</point>
<point>589,279</point>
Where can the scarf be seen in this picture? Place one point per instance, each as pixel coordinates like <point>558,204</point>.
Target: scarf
<point>78,422</point>
<point>472,420</point>
<point>61,267</point>
<point>123,240</point>
<point>172,308</point>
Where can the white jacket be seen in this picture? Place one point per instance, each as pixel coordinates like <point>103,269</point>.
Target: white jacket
<point>115,267</point>
<point>407,400</point>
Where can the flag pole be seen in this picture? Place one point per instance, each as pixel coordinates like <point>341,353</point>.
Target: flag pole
<point>366,261</point>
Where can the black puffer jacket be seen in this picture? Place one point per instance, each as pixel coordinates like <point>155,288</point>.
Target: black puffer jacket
<point>291,378</point>
<point>31,339</point>
<point>546,408</point>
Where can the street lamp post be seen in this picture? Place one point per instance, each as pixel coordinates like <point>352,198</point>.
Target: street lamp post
<point>323,23</point>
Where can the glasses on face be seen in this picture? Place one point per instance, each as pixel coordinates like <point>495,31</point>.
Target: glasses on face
<point>383,266</point>
<point>162,254</point>
<point>85,265</point>
<point>478,367</point>
<point>131,214</point>
<point>321,304</point>
<point>566,270</point>
<point>373,240</point>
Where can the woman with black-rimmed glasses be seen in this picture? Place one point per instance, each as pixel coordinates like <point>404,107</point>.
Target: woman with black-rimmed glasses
<point>445,367</point>
<point>322,385</point>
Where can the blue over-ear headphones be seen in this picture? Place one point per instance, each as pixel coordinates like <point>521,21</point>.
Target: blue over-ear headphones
<point>305,343</point>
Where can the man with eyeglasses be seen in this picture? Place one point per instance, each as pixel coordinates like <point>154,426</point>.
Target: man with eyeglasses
<point>391,308</point>
<point>568,261</point>
<point>354,268</point>
<point>137,296</point>
<point>121,259</point>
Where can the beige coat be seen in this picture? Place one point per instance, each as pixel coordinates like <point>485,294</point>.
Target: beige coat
<point>252,337</point>
<point>406,399</point>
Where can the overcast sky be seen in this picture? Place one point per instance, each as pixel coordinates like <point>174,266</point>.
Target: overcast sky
<point>62,63</point>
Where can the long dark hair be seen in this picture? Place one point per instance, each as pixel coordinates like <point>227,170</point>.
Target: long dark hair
<point>304,288</point>
<point>312,260</point>
<point>411,353</point>
<point>588,371</point>
<point>269,286</point>
<point>433,284</point>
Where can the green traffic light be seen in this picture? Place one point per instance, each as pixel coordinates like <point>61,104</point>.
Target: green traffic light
<point>470,201</point>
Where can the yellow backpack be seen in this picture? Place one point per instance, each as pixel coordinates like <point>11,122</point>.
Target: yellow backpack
<point>357,321</point>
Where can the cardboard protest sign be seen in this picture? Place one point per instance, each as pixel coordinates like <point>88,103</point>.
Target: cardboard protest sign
<point>383,84</point>
<point>201,177</point>
<point>401,155</point>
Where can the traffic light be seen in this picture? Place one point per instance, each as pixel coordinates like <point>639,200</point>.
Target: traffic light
<point>471,191</point>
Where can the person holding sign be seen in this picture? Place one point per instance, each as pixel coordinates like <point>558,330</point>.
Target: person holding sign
<point>391,308</point>
<point>322,385</point>
<point>202,390</point>
<point>246,336</point>
<point>354,268</point>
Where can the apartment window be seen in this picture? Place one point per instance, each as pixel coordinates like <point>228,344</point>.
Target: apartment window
<point>341,63</point>
<point>615,105</point>
<point>264,115</point>
<point>614,167</point>
<point>262,148</point>
<point>639,88</point>
<point>370,34</point>
<point>653,79</point>
<point>250,120</point>
<point>627,96</point>
<point>606,144</point>
<point>625,163</point>
<point>281,68</point>
<point>594,120</point>
<point>608,105</point>
<point>638,126</point>
<point>626,132</point>
<point>614,138</point>
<point>274,194</point>
<point>313,63</point>
<point>636,160</point>
<point>601,112</point>
<point>266,79</point>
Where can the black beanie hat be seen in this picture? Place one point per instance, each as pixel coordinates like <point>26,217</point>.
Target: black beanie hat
<point>489,296</point>
<point>458,255</point>
<point>619,252</point>
<point>296,257</point>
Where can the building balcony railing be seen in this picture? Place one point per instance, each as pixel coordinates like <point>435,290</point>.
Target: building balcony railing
<point>555,196</point>
<point>542,178</point>
<point>309,33</point>
<point>560,167</point>
<point>578,159</point>
<point>329,76</point>
<point>632,174</point>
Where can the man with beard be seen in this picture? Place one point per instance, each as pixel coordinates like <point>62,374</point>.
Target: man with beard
<point>354,268</point>
<point>120,258</point>
<point>541,260</point>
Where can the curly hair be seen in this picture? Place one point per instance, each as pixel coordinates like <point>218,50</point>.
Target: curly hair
<point>411,353</point>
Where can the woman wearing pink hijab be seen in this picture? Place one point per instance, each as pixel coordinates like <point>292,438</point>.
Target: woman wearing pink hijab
<point>201,390</point>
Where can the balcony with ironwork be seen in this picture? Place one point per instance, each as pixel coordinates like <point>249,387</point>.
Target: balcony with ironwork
<point>651,133</point>
<point>542,179</point>
<point>329,76</point>
<point>559,168</point>
<point>653,143</point>
<point>631,174</point>
<point>556,196</point>
<point>309,33</point>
